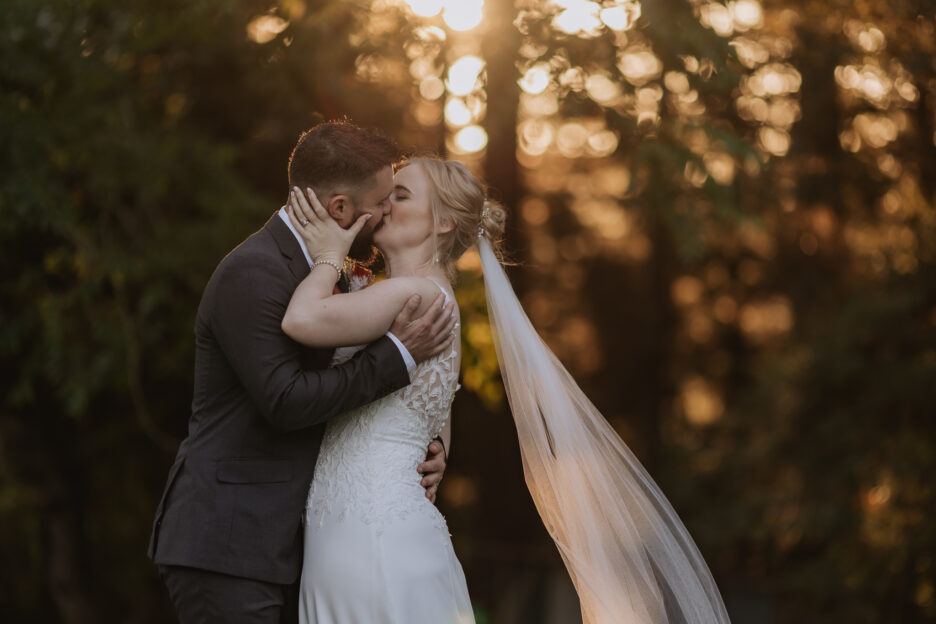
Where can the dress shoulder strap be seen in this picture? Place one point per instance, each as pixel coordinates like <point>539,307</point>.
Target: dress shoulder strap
<point>441,287</point>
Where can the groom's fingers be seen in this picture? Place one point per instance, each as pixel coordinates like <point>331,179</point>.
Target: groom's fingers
<point>443,319</point>
<point>444,337</point>
<point>435,447</point>
<point>426,322</point>
<point>412,304</point>
<point>416,334</point>
<point>446,342</point>
<point>435,317</point>
<point>432,478</point>
<point>434,310</point>
<point>432,469</point>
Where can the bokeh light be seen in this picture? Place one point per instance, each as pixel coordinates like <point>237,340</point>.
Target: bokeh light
<point>470,139</point>
<point>601,144</point>
<point>535,136</point>
<point>431,88</point>
<point>457,112</point>
<point>640,66</point>
<point>747,14</point>
<point>265,28</point>
<point>622,16</point>
<point>536,79</point>
<point>701,402</point>
<point>462,15</point>
<point>578,17</point>
<point>602,89</point>
<point>463,75</point>
<point>425,8</point>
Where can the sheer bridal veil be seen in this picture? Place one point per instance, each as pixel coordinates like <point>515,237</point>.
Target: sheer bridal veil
<point>631,559</point>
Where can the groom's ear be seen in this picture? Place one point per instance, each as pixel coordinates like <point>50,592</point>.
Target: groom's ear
<point>340,209</point>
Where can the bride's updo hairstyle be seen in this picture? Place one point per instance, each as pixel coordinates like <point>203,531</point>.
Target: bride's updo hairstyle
<point>458,196</point>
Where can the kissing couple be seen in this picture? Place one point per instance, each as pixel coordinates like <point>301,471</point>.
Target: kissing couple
<point>320,425</point>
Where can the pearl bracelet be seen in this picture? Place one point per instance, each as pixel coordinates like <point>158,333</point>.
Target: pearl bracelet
<point>330,263</point>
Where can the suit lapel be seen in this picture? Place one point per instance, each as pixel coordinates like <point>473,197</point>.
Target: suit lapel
<point>313,359</point>
<point>288,246</point>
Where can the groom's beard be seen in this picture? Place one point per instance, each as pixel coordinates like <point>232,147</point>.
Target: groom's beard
<point>363,251</point>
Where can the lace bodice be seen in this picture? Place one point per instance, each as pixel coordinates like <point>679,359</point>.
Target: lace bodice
<point>368,459</point>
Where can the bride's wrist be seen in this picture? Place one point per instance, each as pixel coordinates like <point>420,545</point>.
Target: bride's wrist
<point>325,260</point>
<point>328,257</point>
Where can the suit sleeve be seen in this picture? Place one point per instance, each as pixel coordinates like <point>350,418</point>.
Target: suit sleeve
<point>250,300</point>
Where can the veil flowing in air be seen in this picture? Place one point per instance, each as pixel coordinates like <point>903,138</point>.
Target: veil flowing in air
<point>630,558</point>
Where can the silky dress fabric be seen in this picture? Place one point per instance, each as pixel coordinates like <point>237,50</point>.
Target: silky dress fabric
<point>376,550</point>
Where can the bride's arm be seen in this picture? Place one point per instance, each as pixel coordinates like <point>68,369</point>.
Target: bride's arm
<point>317,318</point>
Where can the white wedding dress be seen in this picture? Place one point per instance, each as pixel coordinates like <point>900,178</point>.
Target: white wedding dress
<point>376,550</point>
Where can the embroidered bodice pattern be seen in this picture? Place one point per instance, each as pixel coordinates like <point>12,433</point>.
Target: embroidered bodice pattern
<point>366,467</point>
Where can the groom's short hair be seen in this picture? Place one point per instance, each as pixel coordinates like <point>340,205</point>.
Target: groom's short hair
<point>337,156</point>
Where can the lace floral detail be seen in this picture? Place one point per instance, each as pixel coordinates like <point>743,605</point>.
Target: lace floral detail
<point>367,463</point>
<point>432,390</point>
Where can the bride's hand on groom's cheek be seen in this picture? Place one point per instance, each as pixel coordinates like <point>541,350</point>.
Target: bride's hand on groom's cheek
<point>319,230</point>
<point>432,470</point>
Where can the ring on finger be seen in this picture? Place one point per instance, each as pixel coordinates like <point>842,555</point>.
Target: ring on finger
<point>304,222</point>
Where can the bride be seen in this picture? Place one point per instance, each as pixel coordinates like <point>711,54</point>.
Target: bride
<point>376,548</point>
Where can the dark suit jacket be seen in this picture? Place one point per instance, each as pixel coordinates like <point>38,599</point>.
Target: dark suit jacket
<point>235,495</point>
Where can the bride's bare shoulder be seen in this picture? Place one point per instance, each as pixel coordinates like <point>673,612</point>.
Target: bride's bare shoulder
<point>404,287</point>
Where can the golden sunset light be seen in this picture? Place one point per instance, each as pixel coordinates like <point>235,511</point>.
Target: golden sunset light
<point>703,231</point>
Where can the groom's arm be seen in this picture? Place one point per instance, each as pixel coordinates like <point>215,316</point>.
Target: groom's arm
<point>249,302</point>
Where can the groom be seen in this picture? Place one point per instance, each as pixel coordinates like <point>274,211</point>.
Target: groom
<point>227,537</point>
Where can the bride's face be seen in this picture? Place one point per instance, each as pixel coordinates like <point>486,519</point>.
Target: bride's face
<point>410,222</point>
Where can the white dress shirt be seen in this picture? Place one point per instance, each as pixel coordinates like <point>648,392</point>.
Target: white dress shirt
<point>407,358</point>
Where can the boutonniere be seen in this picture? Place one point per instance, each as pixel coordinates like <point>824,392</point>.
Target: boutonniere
<point>358,276</point>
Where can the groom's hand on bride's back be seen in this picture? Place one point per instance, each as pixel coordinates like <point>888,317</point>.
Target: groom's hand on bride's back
<point>432,470</point>
<point>426,335</point>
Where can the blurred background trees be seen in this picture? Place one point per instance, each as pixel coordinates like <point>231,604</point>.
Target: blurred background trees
<point>723,218</point>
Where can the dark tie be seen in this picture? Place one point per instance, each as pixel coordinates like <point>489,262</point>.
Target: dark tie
<point>343,285</point>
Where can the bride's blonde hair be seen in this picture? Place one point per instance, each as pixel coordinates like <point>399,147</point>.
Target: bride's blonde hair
<point>459,197</point>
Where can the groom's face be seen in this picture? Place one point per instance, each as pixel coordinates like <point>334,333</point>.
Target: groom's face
<point>373,198</point>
